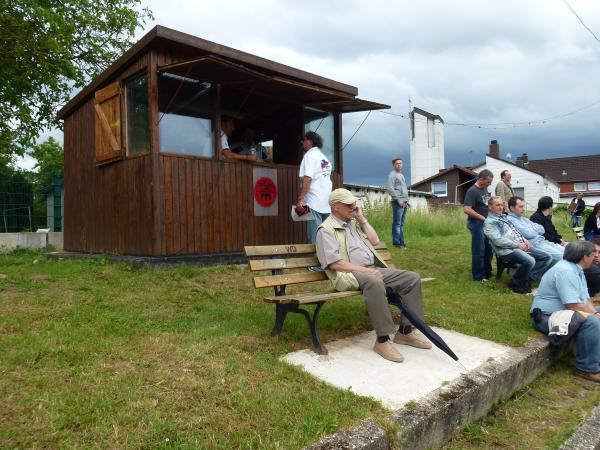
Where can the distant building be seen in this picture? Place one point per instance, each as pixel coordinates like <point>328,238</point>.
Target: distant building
<point>374,196</point>
<point>449,184</point>
<point>426,144</point>
<point>575,174</point>
<point>528,183</point>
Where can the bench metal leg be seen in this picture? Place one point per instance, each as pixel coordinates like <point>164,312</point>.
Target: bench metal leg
<point>281,311</point>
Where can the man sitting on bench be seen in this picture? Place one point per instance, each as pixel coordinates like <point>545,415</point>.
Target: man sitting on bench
<point>510,245</point>
<point>345,250</point>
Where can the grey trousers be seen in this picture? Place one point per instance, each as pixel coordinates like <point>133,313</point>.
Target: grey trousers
<point>406,284</point>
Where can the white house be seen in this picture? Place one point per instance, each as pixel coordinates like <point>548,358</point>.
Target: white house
<point>525,182</point>
<point>426,144</point>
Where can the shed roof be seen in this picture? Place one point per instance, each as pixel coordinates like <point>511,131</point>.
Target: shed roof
<point>334,95</point>
<point>577,168</point>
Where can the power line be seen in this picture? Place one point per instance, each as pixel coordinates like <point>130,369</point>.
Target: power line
<point>581,21</point>
<point>505,125</point>
<point>361,124</point>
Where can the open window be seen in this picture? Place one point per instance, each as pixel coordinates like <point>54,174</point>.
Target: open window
<point>107,112</point>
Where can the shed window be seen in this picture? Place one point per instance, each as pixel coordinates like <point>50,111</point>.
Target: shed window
<point>185,115</point>
<point>440,188</point>
<point>322,123</point>
<point>138,123</point>
<point>580,186</point>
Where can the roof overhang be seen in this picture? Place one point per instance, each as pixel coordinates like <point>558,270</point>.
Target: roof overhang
<point>218,70</point>
<point>321,92</point>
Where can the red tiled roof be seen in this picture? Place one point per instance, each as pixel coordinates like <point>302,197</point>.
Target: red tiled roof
<point>577,168</point>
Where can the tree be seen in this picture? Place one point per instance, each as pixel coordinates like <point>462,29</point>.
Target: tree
<point>50,158</point>
<point>49,48</point>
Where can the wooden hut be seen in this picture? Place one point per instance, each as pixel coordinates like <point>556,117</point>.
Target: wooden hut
<point>144,174</point>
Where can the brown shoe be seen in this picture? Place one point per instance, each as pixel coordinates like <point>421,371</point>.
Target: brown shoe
<point>592,376</point>
<point>387,351</point>
<point>414,339</point>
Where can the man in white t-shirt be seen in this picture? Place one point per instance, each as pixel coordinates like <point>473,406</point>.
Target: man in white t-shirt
<point>315,172</point>
<point>228,127</point>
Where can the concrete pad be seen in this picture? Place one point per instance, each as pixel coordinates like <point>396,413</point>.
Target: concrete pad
<point>352,364</point>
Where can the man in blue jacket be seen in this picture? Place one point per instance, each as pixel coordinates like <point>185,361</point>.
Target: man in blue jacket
<point>533,232</point>
<point>507,242</point>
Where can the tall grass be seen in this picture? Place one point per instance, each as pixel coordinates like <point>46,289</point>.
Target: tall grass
<point>448,221</point>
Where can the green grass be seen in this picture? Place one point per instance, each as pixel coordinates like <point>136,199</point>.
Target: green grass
<point>99,354</point>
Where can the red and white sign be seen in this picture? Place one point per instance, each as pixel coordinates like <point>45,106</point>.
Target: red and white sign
<point>264,189</point>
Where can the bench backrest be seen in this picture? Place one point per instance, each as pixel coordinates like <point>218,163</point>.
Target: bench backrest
<point>286,263</point>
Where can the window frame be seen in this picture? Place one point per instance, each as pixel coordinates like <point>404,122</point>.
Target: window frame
<point>582,183</point>
<point>125,115</point>
<point>214,119</point>
<point>596,185</point>
<point>445,183</point>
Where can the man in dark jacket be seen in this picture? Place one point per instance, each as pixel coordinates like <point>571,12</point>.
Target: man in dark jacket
<point>592,273</point>
<point>543,216</point>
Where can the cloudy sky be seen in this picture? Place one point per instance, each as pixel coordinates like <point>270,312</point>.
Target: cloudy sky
<point>470,61</point>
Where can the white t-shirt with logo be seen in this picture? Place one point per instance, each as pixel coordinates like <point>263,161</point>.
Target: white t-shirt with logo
<point>316,166</point>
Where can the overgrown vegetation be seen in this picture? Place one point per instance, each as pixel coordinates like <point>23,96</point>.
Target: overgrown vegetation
<point>99,354</point>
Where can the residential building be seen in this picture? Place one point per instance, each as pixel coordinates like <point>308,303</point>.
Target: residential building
<point>574,174</point>
<point>449,184</point>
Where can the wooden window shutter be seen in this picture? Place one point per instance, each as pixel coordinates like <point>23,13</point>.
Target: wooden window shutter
<point>107,108</point>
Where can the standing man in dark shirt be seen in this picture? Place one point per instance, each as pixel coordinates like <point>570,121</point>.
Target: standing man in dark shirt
<point>476,209</point>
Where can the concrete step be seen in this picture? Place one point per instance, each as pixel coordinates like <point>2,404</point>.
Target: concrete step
<point>425,419</point>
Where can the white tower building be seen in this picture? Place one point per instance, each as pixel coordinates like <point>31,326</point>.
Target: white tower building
<point>426,144</point>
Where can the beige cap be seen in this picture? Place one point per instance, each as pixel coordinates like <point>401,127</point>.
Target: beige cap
<point>342,196</point>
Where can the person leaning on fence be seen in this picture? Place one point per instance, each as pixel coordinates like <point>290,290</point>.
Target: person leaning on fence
<point>510,245</point>
<point>564,288</point>
<point>543,216</point>
<point>532,231</point>
<point>345,248</point>
<point>576,208</point>
<point>476,209</point>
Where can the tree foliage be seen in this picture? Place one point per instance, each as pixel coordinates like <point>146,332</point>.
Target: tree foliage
<point>49,49</point>
<point>50,158</point>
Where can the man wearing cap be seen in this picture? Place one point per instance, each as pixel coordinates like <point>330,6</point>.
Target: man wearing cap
<point>345,250</point>
<point>399,193</point>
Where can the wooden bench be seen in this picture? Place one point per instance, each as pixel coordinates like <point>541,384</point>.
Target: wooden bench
<point>289,265</point>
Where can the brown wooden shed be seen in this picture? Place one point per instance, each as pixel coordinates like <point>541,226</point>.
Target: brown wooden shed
<point>144,174</point>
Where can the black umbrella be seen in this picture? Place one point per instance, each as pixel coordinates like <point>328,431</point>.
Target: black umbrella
<point>435,338</point>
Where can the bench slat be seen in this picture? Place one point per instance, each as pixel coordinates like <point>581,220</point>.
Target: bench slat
<point>283,263</point>
<point>310,297</point>
<point>290,278</point>
<point>273,250</point>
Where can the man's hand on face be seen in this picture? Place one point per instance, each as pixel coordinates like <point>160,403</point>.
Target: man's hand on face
<point>357,213</point>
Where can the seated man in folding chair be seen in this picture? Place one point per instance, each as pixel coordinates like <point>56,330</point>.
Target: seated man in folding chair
<point>345,250</point>
<point>533,232</point>
<point>510,245</point>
